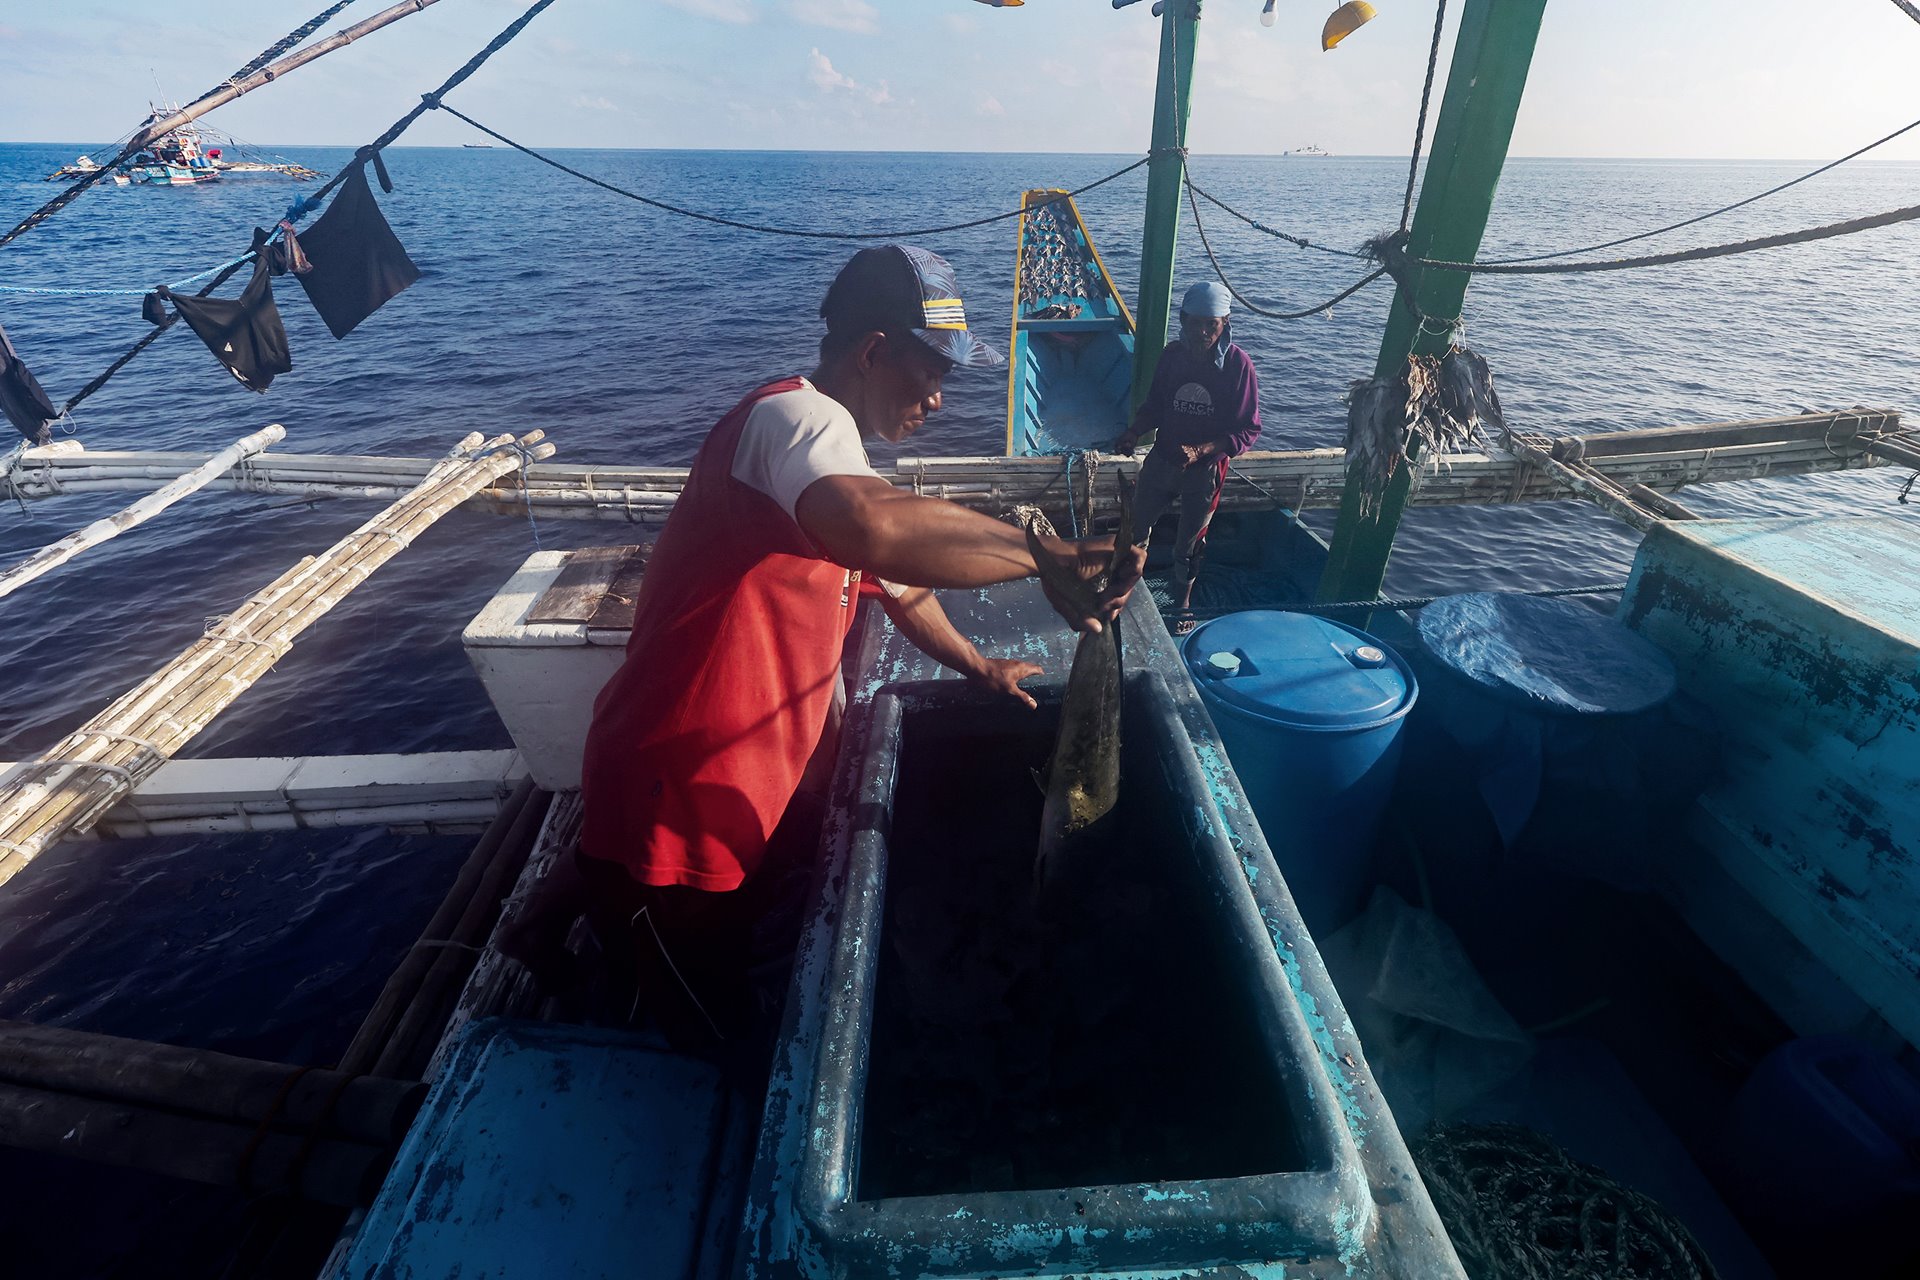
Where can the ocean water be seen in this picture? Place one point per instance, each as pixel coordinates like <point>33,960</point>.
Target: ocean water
<point>624,333</point>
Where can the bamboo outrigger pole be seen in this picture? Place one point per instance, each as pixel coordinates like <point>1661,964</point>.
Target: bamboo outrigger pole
<point>1488,75</point>
<point>86,773</point>
<point>1166,171</point>
<point>58,553</point>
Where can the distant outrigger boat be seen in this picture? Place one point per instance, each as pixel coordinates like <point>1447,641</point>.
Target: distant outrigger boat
<point>182,158</point>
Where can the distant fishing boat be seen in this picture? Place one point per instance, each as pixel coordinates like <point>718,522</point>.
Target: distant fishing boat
<point>185,157</point>
<point>476,146</point>
<point>1072,360</point>
<point>1310,151</point>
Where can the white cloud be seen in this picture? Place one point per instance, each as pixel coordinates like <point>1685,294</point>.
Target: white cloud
<point>827,79</point>
<point>990,106</point>
<point>820,71</point>
<point>737,12</point>
<point>960,24</point>
<point>841,15</point>
<point>584,103</point>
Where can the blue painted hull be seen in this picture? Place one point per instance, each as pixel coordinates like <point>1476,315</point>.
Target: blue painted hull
<point>1071,366</point>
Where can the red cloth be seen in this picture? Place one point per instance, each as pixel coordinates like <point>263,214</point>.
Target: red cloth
<point>699,740</point>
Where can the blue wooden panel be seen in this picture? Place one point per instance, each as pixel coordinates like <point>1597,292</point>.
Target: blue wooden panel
<point>549,1151</point>
<point>1803,635</point>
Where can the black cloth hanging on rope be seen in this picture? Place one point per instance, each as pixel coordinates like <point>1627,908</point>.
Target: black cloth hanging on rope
<point>21,398</point>
<point>358,263</point>
<point>244,333</point>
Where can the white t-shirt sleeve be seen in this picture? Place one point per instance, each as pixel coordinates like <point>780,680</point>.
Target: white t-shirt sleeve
<point>795,438</point>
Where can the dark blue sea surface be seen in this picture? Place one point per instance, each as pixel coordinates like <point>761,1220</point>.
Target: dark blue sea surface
<point>624,333</point>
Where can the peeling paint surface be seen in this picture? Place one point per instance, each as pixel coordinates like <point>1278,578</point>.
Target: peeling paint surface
<point>1379,1221</point>
<point>1803,638</point>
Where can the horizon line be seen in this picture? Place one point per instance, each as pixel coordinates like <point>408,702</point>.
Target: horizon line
<point>886,151</point>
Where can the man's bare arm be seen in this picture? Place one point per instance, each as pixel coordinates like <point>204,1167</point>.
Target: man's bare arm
<point>866,523</point>
<point>917,613</point>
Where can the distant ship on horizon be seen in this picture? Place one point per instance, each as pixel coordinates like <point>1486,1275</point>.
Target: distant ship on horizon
<point>1308,150</point>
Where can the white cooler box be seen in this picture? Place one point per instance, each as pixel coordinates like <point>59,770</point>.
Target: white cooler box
<point>546,644</point>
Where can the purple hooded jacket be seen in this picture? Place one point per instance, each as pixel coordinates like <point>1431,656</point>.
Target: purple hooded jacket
<point>1192,402</point>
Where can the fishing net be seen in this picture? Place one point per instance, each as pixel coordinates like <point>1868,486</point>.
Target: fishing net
<point>1055,265</point>
<point>1517,1207</point>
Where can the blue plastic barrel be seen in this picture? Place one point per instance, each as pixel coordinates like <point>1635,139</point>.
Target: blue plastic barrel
<point>1310,712</point>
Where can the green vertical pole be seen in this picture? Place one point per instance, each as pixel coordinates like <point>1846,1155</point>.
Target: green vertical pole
<point>1179,28</point>
<point>1484,84</point>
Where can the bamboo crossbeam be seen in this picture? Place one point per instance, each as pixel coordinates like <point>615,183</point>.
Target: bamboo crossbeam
<point>58,553</point>
<point>1661,458</point>
<point>81,777</point>
<point>201,1082</point>
<point>1590,485</point>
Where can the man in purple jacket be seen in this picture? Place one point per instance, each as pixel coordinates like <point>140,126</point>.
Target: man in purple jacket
<point>1205,406</point>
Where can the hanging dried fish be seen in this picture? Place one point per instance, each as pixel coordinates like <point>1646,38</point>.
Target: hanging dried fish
<point>1467,400</point>
<point>1442,403</point>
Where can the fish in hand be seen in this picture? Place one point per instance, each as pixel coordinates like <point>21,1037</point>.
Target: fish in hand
<point>1082,780</point>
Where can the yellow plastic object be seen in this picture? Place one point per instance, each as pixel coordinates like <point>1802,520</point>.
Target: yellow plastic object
<point>1346,20</point>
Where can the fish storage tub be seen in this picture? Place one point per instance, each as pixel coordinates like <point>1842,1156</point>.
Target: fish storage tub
<point>1124,1082</point>
<point>1310,710</point>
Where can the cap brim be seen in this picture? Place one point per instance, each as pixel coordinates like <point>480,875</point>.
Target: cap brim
<point>961,347</point>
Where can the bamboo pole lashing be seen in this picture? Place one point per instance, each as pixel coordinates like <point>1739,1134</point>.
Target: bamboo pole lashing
<point>36,810</point>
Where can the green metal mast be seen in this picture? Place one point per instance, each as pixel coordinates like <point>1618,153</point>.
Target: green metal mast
<point>1166,171</point>
<point>1487,77</point>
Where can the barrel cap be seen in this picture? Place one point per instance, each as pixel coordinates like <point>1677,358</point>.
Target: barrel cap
<point>1299,671</point>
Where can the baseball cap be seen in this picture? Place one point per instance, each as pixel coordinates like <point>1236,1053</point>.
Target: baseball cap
<point>900,288</point>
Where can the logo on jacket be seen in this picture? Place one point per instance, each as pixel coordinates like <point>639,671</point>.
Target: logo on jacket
<point>1194,400</point>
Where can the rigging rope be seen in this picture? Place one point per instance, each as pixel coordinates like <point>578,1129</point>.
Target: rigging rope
<point>427,101</point>
<point>1255,307</point>
<point>1911,10</point>
<point>1420,127</point>
<point>1807,235</point>
<point>173,318</point>
<point>803,233</point>
<point>277,48</point>
<point>1738,204</point>
<point>196,278</point>
<point>1262,227</point>
<point>139,138</point>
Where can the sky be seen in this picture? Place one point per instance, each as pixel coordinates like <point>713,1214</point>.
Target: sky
<point>1734,79</point>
